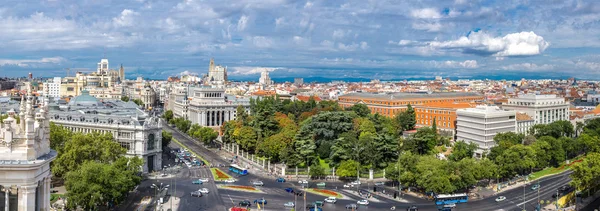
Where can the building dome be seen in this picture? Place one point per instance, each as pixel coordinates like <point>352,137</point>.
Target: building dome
<point>85,99</point>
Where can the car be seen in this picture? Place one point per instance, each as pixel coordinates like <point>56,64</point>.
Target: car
<point>564,188</point>
<point>315,209</point>
<point>500,198</point>
<point>280,179</point>
<point>357,182</point>
<point>379,183</point>
<point>535,187</point>
<point>363,202</point>
<point>196,194</point>
<point>310,206</point>
<point>203,179</point>
<point>289,204</point>
<point>321,184</point>
<point>351,206</point>
<point>197,182</point>
<point>258,183</point>
<point>260,201</point>
<point>331,200</point>
<point>450,206</point>
<point>203,190</point>
<point>318,203</point>
<point>245,203</point>
<point>289,190</point>
<point>412,208</point>
<point>303,182</point>
<point>349,185</point>
<point>230,180</point>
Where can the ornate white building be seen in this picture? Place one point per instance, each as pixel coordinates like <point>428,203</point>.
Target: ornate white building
<point>544,109</point>
<point>264,78</point>
<point>217,74</point>
<point>148,96</point>
<point>25,157</point>
<point>136,131</point>
<point>211,107</point>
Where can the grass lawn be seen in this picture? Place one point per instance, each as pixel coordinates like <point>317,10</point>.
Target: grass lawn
<point>553,170</point>
<point>219,175</point>
<point>197,156</point>
<point>322,192</point>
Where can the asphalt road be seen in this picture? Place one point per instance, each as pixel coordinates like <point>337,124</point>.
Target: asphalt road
<point>274,193</point>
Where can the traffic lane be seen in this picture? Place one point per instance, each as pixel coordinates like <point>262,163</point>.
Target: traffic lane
<point>210,201</point>
<point>514,197</point>
<point>195,146</point>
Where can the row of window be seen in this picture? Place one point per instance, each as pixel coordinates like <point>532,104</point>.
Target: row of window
<point>411,102</point>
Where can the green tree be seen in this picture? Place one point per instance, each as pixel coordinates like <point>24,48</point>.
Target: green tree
<point>462,150</point>
<point>241,114</point>
<point>422,142</point>
<point>347,169</point>
<point>138,102</point>
<point>97,183</point>
<point>59,136</point>
<point>360,109</point>
<point>586,173</point>
<point>589,143</point>
<point>541,149</point>
<point>89,147</point>
<point>207,135</point>
<point>166,138</point>
<point>510,138</point>
<point>317,171</point>
<point>433,175</point>
<point>517,159</point>
<point>406,120</point>
<point>245,137</point>
<point>168,115</point>
<point>124,98</point>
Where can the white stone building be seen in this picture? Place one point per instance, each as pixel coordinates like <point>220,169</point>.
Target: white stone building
<point>211,107</point>
<point>51,88</point>
<point>479,125</point>
<point>136,131</point>
<point>264,78</point>
<point>25,157</point>
<point>544,109</point>
<point>148,97</point>
<point>217,74</point>
<point>524,122</point>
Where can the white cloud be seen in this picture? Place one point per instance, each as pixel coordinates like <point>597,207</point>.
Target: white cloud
<point>427,26</point>
<point>528,67</point>
<point>470,64</point>
<point>588,65</point>
<point>279,21</point>
<point>301,40</point>
<point>338,34</point>
<point>426,13</point>
<point>349,47</point>
<point>242,22</point>
<point>515,44</point>
<point>327,43</point>
<point>187,72</point>
<point>262,42</point>
<point>308,5</point>
<point>364,45</point>
<point>127,18</point>
<point>245,70</point>
<point>29,62</point>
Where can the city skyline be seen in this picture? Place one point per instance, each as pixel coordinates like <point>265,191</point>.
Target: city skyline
<point>330,40</point>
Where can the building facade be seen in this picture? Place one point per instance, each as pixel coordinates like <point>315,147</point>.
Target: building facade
<point>479,125</point>
<point>52,88</point>
<point>264,78</point>
<point>390,104</point>
<point>444,114</point>
<point>544,109</point>
<point>217,74</point>
<point>25,157</point>
<point>524,122</point>
<point>210,107</point>
<point>136,131</point>
<point>102,78</point>
<point>148,97</point>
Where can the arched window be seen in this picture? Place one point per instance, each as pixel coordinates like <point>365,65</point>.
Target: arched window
<point>151,142</point>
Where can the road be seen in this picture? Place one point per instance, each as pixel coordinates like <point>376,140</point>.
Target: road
<point>274,193</point>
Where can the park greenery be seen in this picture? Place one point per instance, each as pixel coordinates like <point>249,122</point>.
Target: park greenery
<point>204,134</point>
<point>93,167</point>
<point>353,140</point>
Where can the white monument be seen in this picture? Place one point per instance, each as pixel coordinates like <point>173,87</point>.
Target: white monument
<point>25,157</point>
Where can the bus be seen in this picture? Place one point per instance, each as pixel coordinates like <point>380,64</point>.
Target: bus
<point>238,170</point>
<point>444,199</point>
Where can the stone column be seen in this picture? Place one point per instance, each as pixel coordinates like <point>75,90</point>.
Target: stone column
<point>370,174</point>
<point>227,115</point>
<point>27,198</point>
<point>333,172</point>
<point>209,117</point>
<point>6,197</point>
<point>283,170</point>
<point>237,152</point>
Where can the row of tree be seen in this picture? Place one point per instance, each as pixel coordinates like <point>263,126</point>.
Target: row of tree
<point>93,167</point>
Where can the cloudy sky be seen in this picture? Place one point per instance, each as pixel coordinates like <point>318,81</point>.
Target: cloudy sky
<point>359,39</point>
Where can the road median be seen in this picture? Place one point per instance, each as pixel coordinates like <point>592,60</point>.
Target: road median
<point>191,151</point>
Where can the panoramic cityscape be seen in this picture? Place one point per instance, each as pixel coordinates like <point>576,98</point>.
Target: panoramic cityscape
<point>282,105</point>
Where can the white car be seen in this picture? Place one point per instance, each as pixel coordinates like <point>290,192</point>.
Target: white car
<point>203,179</point>
<point>349,185</point>
<point>450,206</point>
<point>230,181</point>
<point>357,182</point>
<point>203,190</point>
<point>258,183</point>
<point>363,202</point>
<point>303,182</point>
<point>500,198</point>
<point>289,204</point>
<point>331,200</point>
